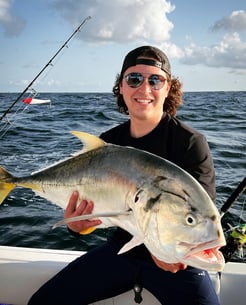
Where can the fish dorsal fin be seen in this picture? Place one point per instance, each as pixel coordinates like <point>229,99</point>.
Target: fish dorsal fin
<point>89,141</point>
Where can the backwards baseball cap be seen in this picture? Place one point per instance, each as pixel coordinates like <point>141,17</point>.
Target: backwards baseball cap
<point>140,56</point>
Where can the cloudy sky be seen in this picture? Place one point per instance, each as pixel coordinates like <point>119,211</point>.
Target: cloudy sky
<point>205,41</point>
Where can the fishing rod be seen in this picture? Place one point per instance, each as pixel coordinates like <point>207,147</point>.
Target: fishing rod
<point>237,237</point>
<point>237,192</point>
<point>48,63</point>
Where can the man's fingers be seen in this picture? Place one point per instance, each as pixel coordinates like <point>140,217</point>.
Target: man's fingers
<point>85,207</point>
<point>94,222</point>
<point>72,204</point>
<point>74,209</point>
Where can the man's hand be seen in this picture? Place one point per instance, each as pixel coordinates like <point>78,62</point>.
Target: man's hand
<point>168,267</point>
<point>83,208</point>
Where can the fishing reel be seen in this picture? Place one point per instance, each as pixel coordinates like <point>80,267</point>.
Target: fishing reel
<point>235,242</point>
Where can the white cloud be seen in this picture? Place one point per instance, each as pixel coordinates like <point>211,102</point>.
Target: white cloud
<point>142,21</point>
<point>236,22</point>
<point>230,52</point>
<point>120,21</point>
<point>12,25</point>
<point>172,50</point>
<point>4,6</point>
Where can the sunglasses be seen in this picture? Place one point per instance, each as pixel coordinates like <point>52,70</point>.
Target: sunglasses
<point>136,79</point>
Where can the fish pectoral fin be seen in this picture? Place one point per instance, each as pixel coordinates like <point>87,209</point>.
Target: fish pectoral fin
<point>135,241</point>
<point>89,216</point>
<point>89,141</point>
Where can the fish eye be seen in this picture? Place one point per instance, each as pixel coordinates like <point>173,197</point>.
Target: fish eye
<point>190,220</point>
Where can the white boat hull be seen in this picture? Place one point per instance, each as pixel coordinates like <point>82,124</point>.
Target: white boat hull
<point>24,270</point>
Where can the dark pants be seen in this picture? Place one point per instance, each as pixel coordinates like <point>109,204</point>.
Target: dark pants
<point>101,274</point>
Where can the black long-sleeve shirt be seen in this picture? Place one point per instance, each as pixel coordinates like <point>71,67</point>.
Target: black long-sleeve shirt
<point>176,142</point>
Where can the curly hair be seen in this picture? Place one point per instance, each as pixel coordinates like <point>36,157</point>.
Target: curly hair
<point>172,101</point>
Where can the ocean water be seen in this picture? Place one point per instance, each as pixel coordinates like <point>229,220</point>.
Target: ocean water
<point>36,136</point>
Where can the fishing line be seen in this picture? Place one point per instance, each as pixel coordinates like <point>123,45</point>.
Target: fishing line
<point>242,210</point>
<point>51,66</point>
<point>31,93</point>
<point>49,63</point>
<point>11,120</point>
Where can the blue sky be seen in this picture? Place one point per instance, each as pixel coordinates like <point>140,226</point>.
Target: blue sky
<point>204,40</point>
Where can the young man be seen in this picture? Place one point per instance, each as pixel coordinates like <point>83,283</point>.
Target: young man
<point>146,91</point>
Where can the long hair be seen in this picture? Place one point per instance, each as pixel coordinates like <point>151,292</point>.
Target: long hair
<point>172,101</point>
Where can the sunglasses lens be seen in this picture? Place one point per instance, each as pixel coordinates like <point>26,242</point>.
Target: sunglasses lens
<point>134,80</point>
<point>156,81</point>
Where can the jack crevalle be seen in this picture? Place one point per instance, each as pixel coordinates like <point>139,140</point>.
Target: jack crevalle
<point>157,202</point>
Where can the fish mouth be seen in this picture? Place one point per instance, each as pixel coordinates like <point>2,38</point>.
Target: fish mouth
<point>210,255</point>
<point>206,255</point>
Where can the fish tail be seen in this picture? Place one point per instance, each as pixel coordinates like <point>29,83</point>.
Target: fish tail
<point>6,186</point>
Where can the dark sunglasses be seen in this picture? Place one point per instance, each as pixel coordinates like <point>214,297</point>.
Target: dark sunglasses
<point>136,79</point>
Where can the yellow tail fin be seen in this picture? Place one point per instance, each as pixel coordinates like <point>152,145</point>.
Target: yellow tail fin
<point>6,186</point>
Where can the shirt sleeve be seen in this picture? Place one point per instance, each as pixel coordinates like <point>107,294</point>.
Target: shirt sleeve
<point>199,163</point>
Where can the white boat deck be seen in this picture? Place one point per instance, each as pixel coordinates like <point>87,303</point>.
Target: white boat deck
<point>24,270</point>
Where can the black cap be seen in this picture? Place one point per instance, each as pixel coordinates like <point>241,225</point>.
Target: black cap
<point>132,59</point>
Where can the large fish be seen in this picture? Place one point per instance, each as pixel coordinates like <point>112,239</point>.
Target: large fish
<point>157,202</point>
